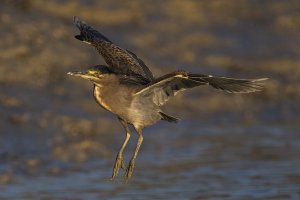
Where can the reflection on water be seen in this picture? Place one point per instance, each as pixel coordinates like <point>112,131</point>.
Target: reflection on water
<point>56,143</point>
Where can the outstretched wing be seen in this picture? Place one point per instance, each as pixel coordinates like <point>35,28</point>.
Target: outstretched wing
<point>165,87</point>
<point>120,61</point>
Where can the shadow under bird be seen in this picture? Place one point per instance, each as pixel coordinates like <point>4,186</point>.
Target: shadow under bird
<point>127,88</point>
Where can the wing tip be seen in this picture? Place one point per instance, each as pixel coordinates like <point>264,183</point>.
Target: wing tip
<point>231,85</point>
<point>78,23</point>
<point>256,85</point>
<point>76,20</point>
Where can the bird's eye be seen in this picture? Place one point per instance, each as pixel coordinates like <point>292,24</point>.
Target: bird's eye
<point>94,73</point>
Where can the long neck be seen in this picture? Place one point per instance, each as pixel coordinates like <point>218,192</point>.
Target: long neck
<point>101,99</point>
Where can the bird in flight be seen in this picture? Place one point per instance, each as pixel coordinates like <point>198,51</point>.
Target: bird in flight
<point>127,88</point>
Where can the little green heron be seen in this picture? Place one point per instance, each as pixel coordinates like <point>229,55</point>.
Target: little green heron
<point>127,88</point>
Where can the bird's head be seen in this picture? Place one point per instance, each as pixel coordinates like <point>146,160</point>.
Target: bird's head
<point>92,73</point>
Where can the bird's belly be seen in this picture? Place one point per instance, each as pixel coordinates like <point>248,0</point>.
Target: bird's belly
<point>138,112</point>
<point>141,114</point>
<point>142,119</point>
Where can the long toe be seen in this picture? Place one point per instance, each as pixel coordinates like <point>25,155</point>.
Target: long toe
<point>119,163</point>
<point>129,171</point>
<point>123,166</point>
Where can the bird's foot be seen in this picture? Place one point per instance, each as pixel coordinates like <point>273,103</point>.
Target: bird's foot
<point>129,170</point>
<point>119,163</point>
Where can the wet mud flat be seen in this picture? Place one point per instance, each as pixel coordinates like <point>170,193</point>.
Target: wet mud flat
<point>56,143</point>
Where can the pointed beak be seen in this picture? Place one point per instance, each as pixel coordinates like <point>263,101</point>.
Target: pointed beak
<point>76,73</point>
<point>82,74</point>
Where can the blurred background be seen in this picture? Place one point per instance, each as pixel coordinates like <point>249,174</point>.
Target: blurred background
<point>57,143</point>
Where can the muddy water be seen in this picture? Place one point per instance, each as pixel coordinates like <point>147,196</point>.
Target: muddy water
<point>56,143</point>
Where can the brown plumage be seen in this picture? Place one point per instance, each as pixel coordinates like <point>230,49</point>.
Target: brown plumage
<point>167,86</point>
<point>127,88</point>
<point>120,61</point>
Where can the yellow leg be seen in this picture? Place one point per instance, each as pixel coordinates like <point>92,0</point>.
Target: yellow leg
<point>132,161</point>
<point>119,159</point>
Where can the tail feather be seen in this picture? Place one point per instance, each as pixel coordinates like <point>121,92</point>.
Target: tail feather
<point>168,118</point>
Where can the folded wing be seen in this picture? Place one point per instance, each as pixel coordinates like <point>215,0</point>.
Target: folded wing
<point>165,87</point>
<point>120,60</point>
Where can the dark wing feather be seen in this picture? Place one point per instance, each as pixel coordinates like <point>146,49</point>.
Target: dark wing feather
<point>165,87</point>
<point>132,80</point>
<point>119,60</point>
<point>231,85</point>
<point>142,65</point>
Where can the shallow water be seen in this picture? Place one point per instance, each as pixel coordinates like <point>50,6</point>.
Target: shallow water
<point>210,162</point>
